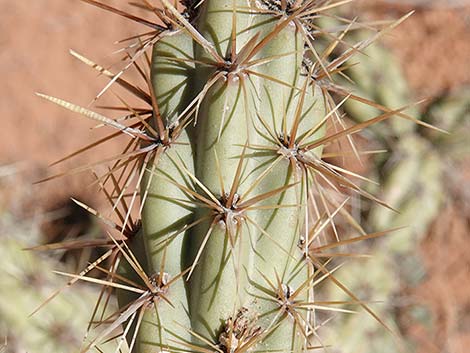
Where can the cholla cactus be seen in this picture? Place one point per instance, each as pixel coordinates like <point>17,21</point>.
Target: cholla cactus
<point>236,203</point>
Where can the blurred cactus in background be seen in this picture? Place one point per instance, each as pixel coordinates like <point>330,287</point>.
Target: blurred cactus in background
<point>27,278</point>
<point>413,180</point>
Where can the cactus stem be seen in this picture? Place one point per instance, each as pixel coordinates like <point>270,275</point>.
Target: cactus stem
<point>226,259</point>
<point>230,209</point>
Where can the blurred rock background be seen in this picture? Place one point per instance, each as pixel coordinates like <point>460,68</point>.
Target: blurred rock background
<point>422,274</point>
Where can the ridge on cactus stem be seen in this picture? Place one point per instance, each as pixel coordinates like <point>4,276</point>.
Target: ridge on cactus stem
<point>224,213</point>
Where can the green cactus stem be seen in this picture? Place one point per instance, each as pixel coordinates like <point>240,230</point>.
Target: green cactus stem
<point>233,191</point>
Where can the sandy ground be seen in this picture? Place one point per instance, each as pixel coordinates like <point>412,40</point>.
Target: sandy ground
<point>35,37</point>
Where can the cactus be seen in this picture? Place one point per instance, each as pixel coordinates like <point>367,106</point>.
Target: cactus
<point>413,179</point>
<point>235,200</point>
<point>27,279</point>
